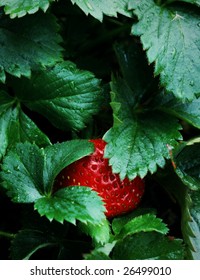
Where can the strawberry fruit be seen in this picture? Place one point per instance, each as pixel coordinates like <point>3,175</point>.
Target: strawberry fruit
<point>94,171</point>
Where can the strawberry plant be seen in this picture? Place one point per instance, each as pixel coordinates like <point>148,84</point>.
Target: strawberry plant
<point>99,129</point>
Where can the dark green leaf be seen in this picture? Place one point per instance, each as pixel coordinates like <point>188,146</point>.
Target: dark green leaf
<point>28,44</point>
<point>101,253</point>
<point>29,172</point>
<point>187,165</point>
<point>27,242</point>
<point>187,111</point>
<point>16,126</point>
<point>189,202</point>
<point>133,64</point>
<point>148,246</point>
<point>109,7</point>
<point>19,8</point>
<point>99,233</point>
<point>65,95</point>
<point>138,140</point>
<point>96,255</point>
<point>119,222</point>
<point>71,204</point>
<point>22,172</point>
<point>145,223</point>
<point>174,45</point>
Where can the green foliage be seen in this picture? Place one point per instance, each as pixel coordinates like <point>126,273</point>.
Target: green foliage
<point>19,8</point>
<point>108,7</point>
<point>148,246</point>
<point>128,155</point>
<point>125,71</point>
<point>175,46</point>
<point>29,174</point>
<point>65,95</point>
<point>38,33</point>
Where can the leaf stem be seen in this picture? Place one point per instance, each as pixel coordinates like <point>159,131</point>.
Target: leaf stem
<point>7,234</point>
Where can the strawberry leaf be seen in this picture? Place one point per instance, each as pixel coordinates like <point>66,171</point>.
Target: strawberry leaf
<point>65,95</point>
<point>71,204</point>
<point>133,64</point>
<point>188,171</point>
<point>99,233</point>
<point>19,8</point>
<point>187,111</point>
<point>22,172</point>
<point>16,126</point>
<point>27,242</point>
<point>145,223</point>
<point>38,33</point>
<point>100,253</point>
<point>119,222</point>
<point>28,174</point>
<point>108,7</point>
<point>174,47</point>
<point>148,246</point>
<point>190,210</point>
<point>128,154</point>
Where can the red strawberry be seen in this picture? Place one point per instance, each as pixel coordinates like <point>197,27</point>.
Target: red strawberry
<point>94,171</point>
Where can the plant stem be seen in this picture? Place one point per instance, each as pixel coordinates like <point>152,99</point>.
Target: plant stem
<point>7,234</point>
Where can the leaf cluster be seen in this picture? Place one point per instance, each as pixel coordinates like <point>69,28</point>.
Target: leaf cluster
<point>125,71</point>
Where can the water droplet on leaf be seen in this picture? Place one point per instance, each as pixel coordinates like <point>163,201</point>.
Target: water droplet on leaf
<point>191,83</point>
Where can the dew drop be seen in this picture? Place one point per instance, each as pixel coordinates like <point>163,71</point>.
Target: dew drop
<point>198,24</point>
<point>191,83</point>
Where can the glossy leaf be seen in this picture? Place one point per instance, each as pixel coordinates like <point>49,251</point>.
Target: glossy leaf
<point>187,111</point>
<point>65,95</point>
<point>189,202</point>
<point>188,170</point>
<point>19,8</point>
<point>148,246</point>
<point>99,233</point>
<point>174,47</point>
<point>128,155</point>
<point>38,33</point>
<point>71,204</point>
<point>108,7</point>
<point>29,172</point>
<point>143,223</point>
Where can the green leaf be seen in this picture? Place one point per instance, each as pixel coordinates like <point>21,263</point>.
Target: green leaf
<point>27,242</point>
<point>29,172</point>
<point>38,33</point>
<point>189,201</point>
<point>71,204</point>
<point>65,95</point>
<point>119,222</point>
<point>148,246</point>
<point>133,64</point>
<point>187,111</point>
<point>99,233</point>
<point>100,253</point>
<point>187,165</point>
<point>96,255</point>
<point>16,126</point>
<point>174,45</point>
<point>138,140</point>
<point>145,223</point>
<point>19,8</point>
<point>22,172</point>
<point>108,7</point>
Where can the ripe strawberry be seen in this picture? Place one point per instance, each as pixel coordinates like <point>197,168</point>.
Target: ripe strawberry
<point>94,171</point>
